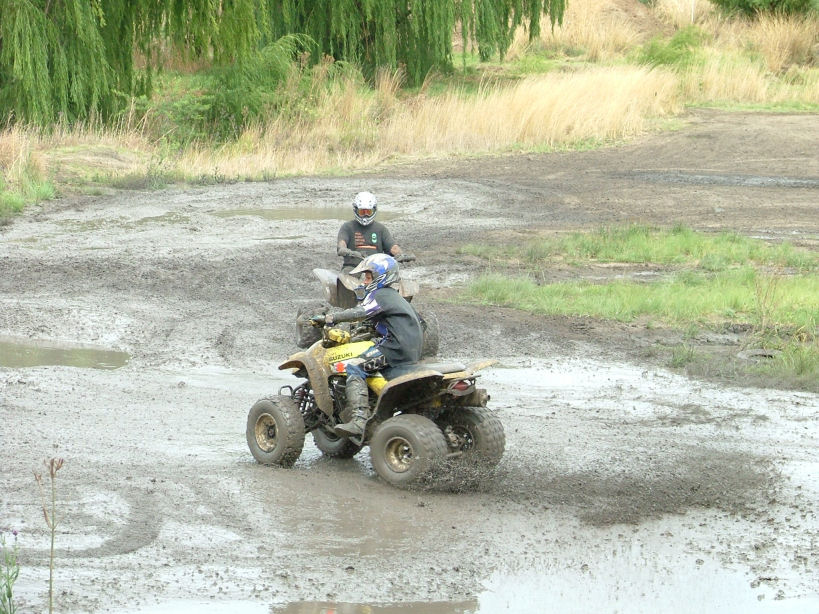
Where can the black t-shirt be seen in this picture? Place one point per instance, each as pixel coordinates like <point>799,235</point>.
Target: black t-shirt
<point>369,240</point>
<point>398,324</point>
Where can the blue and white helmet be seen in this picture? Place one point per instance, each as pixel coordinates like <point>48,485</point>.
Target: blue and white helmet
<point>364,208</point>
<point>383,268</point>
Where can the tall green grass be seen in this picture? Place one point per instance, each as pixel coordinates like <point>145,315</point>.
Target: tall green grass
<point>678,246</point>
<point>681,299</point>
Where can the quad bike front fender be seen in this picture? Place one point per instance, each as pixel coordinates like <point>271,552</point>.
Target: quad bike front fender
<point>311,361</point>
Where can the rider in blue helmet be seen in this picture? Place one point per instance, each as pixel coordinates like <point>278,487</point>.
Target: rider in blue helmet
<point>397,323</point>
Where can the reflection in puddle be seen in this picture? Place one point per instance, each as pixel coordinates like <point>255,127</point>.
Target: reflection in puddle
<point>171,218</point>
<point>317,607</point>
<point>181,606</point>
<point>637,587</point>
<point>300,213</point>
<point>21,353</point>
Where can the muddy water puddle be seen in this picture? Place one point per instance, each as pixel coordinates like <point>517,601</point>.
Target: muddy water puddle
<point>95,225</point>
<point>16,353</point>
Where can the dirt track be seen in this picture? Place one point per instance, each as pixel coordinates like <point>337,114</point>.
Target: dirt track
<point>625,487</point>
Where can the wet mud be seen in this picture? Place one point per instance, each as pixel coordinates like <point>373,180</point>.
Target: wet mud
<point>625,486</point>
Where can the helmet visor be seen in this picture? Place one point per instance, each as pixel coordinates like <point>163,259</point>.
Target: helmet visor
<point>365,212</point>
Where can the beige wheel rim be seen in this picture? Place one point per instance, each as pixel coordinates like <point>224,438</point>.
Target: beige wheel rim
<point>399,454</point>
<point>266,433</point>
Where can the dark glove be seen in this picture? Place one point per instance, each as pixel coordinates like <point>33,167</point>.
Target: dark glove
<point>350,253</point>
<point>404,257</point>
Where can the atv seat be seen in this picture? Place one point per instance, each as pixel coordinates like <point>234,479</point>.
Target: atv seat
<point>443,367</point>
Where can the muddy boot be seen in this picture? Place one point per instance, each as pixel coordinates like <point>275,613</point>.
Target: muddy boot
<point>358,403</point>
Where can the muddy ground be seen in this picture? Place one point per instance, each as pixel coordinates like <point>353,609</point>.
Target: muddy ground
<point>625,487</point>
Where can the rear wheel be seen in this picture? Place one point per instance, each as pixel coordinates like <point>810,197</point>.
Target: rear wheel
<point>275,431</point>
<point>406,449</point>
<point>429,323</point>
<point>334,446</point>
<point>478,434</point>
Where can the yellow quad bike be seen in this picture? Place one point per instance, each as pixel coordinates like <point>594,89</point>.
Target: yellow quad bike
<point>429,423</point>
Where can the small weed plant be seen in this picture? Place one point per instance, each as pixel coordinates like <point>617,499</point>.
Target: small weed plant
<point>9,570</point>
<point>50,513</point>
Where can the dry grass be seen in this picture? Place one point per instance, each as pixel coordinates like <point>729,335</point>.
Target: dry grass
<point>783,41</point>
<point>730,79</point>
<point>598,29</point>
<point>355,131</point>
<point>20,156</point>
<point>554,110</point>
<point>682,13</point>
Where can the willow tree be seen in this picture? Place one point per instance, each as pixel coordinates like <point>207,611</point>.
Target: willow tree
<point>74,59</point>
<point>414,33</point>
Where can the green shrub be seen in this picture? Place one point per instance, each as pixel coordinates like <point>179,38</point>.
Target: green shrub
<point>752,7</point>
<point>240,94</point>
<point>678,51</point>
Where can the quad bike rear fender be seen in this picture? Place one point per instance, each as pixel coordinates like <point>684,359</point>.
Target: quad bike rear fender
<point>406,391</point>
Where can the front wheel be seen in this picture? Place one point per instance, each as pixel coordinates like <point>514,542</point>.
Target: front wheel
<point>275,431</point>
<point>406,449</point>
<point>334,446</point>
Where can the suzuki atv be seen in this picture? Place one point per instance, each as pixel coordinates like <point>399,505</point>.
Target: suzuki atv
<point>428,423</point>
<point>340,293</point>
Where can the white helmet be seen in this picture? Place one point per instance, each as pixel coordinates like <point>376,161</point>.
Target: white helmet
<point>364,207</point>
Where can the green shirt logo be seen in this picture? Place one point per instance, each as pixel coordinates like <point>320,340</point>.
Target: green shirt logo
<point>374,238</point>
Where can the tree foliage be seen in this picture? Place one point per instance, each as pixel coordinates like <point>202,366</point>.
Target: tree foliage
<point>74,59</point>
<point>416,34</point>
<point>77,59</point>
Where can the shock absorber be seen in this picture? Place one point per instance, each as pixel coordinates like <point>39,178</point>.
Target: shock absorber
<point>303,395</point>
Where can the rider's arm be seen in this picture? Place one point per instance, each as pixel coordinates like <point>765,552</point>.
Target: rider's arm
<point>369,308</point>
<point>347,315</point>
<point>341,248</point>
<point>388,243</point>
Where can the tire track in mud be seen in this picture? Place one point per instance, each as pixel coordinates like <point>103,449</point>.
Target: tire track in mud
<point>751,181</point>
